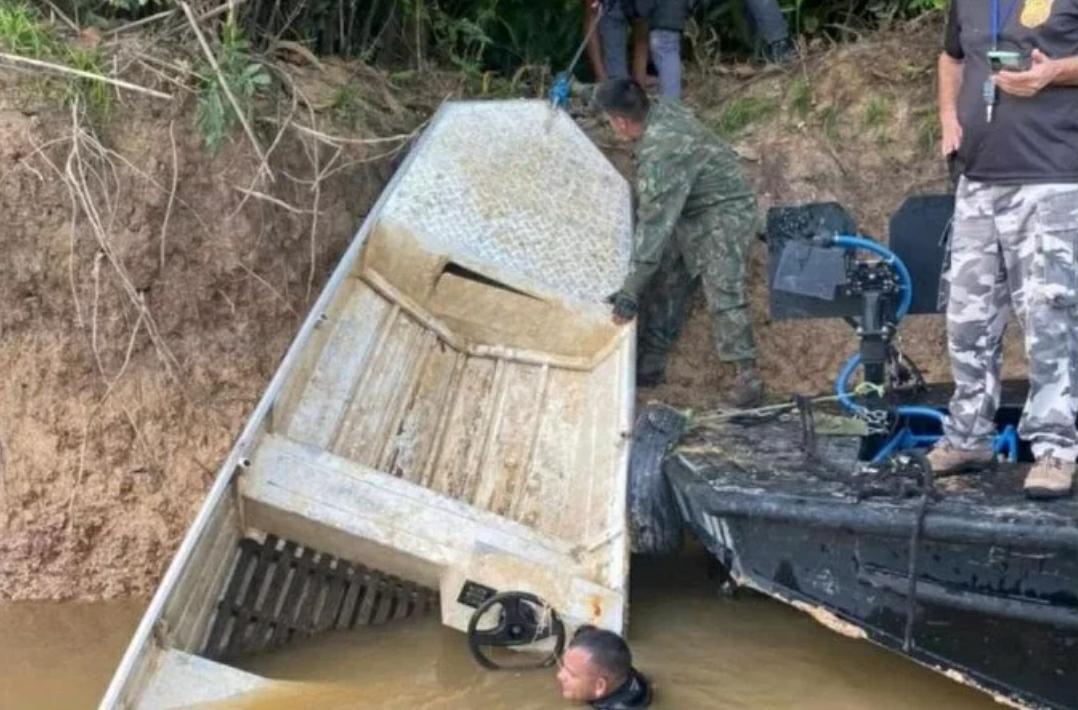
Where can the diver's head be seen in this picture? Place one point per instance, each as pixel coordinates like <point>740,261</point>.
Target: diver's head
<point>596,664</point>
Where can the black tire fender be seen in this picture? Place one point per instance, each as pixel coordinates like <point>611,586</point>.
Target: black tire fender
<point>655,524</point>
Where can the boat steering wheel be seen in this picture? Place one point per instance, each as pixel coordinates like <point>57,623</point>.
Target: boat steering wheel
<point>522,619</point>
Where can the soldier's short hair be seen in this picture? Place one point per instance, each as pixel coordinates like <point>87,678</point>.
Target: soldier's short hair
<point>607,650</point>
<point>623,97</point>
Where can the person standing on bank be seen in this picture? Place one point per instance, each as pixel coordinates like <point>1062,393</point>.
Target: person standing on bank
<point>696,217</point>
<point>658,26</point>
<point>1008,92</point>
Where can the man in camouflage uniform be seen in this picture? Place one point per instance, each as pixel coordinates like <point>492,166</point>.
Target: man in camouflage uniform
<point>1015,231</point>
<point>696,215</point>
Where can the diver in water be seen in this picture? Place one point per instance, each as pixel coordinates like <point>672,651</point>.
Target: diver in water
<point>597,669</point>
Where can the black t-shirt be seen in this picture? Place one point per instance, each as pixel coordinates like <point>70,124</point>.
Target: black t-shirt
<point>1030,140</point>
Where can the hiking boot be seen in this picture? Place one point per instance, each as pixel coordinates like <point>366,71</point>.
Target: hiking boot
<point>1049,478</point>
<point>783,51</point>
<point>946,458</point>
<point>748,389</point>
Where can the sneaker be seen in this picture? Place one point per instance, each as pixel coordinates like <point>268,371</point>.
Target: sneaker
<point>783,51</point>
<point>748,389</point>
<point>946,458</point>
<point>1050,478</point>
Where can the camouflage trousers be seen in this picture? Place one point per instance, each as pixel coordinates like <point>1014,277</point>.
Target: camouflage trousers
<point>711,251</point>
<point>1013,250</point>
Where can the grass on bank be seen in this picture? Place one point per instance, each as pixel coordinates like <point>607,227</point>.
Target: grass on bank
<point>24,32</point>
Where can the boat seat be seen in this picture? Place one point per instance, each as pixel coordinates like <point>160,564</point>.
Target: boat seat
<point>313,497</point>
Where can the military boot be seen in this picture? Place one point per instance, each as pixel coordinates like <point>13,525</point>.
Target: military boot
<point>1050,478</point>
<point>946,458</point>
<point>650,369</point>
<point>748,389</point>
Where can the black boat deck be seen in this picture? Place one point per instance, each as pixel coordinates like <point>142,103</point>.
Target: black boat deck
<point>770,457</point>
<point>995,603</point>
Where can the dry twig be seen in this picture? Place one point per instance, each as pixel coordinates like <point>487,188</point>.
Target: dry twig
<point>269,198</point>
<point>172,192</point>
<point>64,18</point>
<point>60,68</point>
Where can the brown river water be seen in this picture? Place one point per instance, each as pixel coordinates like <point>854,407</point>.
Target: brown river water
<point>701,651</point>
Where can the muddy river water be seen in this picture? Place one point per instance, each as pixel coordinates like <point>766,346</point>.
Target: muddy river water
<point>701,650</point>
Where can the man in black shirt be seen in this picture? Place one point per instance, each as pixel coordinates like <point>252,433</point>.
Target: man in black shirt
<point>597,668</point>
<point>1014,135</point>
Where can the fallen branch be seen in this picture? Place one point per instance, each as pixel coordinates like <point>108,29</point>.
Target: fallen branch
<point>64,18</point>
<point>172,192</point>
<point>275,292</point>
<point>60,68</point>
<point>165,14</point>
<point>269,198</point>
<point>338,140</point>
<point>228,91</point>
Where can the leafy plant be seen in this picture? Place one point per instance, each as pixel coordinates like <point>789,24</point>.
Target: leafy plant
<point>244,77</point>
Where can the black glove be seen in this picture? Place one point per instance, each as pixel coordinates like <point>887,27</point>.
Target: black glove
<point>625,305</point>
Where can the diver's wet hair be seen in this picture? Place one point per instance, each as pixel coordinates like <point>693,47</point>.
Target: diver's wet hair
<point>623,97</point>
<point>607,650</point>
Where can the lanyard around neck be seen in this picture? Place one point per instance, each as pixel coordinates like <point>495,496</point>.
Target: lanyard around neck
<point>998,23</point>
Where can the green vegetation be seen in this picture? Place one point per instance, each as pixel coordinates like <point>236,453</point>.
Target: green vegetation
<point>928,131</point>
<point>800,94</point>
<point>96,95</point>
<point>829,118</point>
<point>345,107</point>
<point>22,33</point>
<point>743,112</point>
<point>878,112</point>
<point>244,77</point>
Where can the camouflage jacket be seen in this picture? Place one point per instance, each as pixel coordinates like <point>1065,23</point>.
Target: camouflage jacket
<point>685,174</point>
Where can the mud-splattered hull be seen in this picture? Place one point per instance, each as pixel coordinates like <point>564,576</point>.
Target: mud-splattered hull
<point>996,600</point>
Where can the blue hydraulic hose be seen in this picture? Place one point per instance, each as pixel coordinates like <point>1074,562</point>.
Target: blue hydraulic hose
<point>842,393</point>
<point>892,260</point>
<point>841,384</point>
<point>1007,440</point>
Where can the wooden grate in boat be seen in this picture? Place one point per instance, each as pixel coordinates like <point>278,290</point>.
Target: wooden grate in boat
<point>279,590</point>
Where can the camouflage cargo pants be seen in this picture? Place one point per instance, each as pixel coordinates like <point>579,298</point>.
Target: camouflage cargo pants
<point>710,251</point>
<point>1013,249</point>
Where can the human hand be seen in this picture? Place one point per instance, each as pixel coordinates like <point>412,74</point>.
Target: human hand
<point>950,134</point>
<point>625,307</point>
<point>1042,71</point>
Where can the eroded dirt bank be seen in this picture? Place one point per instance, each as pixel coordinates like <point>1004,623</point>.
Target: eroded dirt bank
<point>113,418</point>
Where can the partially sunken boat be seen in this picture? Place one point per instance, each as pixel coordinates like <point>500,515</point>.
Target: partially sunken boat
<point>450,423</point>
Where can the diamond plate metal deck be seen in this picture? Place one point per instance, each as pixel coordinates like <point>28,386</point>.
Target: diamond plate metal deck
<point>521,194</point>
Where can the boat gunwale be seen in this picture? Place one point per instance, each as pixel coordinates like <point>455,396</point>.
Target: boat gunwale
<point>942,522</point>
<point>236,457</point>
